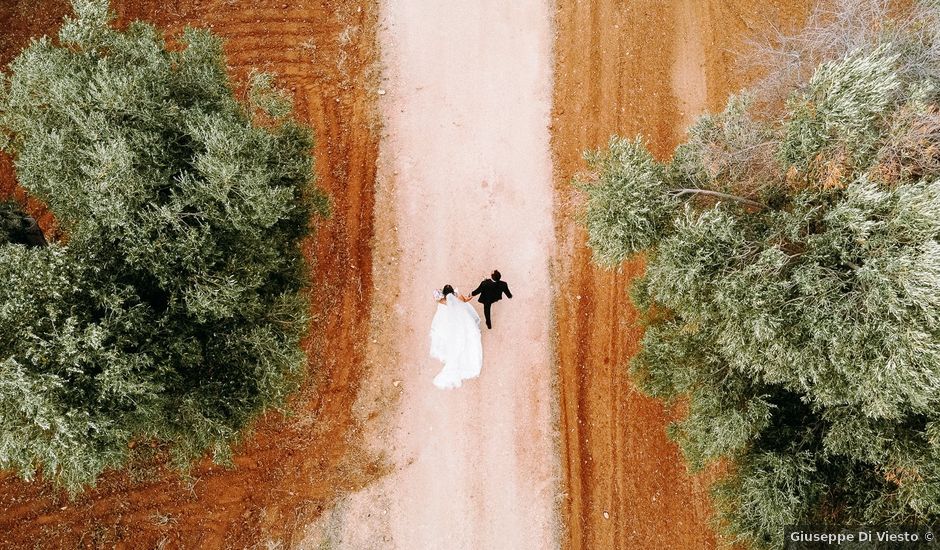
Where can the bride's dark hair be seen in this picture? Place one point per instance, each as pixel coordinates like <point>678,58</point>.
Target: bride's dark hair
<point>447,290</point>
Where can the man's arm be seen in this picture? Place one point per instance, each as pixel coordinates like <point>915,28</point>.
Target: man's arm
<point>506,288</point>
<point>478,290</point>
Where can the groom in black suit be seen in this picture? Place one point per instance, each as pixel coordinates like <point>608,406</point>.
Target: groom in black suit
<point>491,290</point>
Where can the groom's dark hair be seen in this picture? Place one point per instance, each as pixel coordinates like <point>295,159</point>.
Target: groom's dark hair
<point>448,290</point>
<point>496,276</point>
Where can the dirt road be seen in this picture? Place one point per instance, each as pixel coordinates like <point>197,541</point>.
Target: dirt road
<point>467,154</point>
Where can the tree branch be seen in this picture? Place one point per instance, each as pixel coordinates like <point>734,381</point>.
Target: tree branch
<point>749,202</point>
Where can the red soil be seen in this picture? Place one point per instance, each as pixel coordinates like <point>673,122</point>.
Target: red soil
<point>627,67</point>
<point>288,469</point>
<point>642,67</point>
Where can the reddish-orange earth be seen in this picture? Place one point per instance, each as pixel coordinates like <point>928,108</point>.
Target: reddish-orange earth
<point>641,67</point>
<point>287,470</point>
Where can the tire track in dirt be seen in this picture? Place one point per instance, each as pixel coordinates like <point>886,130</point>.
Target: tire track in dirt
<point>466,158</point>
<point>287,470</point>
<point>644,67</point>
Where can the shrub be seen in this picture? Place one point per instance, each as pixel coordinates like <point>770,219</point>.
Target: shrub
<point>631,207</point>
<point>792,297</point>
<point>173,308</point>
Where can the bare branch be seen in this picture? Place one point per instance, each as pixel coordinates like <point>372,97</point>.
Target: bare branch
<point>749,202</point>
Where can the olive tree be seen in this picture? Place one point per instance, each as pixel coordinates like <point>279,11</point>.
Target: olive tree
<point>791,298</point>
<point>172,308</point>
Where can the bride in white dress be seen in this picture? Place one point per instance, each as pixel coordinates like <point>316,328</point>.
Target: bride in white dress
<point>455,340</point>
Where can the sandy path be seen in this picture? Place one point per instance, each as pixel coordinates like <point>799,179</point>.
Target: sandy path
<point>468,94</point>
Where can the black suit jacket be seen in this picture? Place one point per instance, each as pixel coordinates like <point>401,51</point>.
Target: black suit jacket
<point>491,291</point>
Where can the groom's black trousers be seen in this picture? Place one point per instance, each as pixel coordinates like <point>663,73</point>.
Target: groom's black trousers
<point>486,313</point>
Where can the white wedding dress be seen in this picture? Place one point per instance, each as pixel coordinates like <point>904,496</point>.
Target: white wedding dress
<point>455,340</point>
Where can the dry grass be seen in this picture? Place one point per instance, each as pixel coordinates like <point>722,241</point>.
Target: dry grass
<point>912,150</point>
<point>833,29</point>
<point>836,28</point>
<point>735,151</point>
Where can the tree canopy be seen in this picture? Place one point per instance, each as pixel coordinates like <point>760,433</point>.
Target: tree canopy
<point>791,296</point>
<point>173,306</point>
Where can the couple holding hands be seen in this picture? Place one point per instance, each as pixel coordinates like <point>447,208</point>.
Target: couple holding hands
<point>455,330</point>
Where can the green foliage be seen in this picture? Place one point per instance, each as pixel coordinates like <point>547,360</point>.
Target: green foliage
<point>174,308</point>
<point>629,208</point>
<point>770,491</point>
<point>792,295</point>
<point>842,108</point>
<point>728,151</point>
